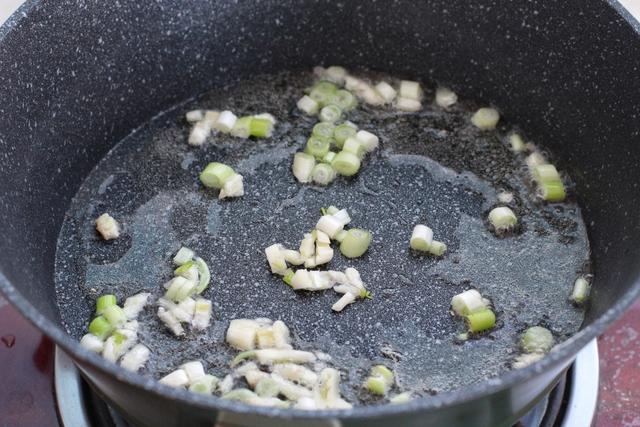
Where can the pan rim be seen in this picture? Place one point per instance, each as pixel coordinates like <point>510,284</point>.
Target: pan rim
<point>563,352</point>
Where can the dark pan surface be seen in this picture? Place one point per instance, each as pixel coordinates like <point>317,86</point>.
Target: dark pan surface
<point>149,183</point>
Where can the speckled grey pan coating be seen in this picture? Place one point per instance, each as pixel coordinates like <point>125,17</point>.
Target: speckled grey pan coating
<point>149,182</point>
<point>76,77</point>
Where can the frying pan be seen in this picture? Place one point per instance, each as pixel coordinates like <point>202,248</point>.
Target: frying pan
<point>75,78</point>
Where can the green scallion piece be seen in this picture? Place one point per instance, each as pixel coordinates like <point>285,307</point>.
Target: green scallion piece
<point>380,380</point>
<point>346,164</point>
<point>215,175</point>
<point>580,292</point>
<point>343,132</point>
<point>376,385</point>
<point>242,127</point>
<point>288,276</point>
<point>261,128</point>
<point>323,174</point>
<point>352,145</point>
<point>105,301</point>
<point>552,191</point>
<point>328,158</point>
<point>249,354</point>
<point>317,147</point>
<point>115,315</point>
<point>344,99</point>
<point>323,130</point>
<point>545,173</point>
<point>536,339</point>
<point>183,268</point>
<point>204,385</point>
<point>183,255</point>
<point>330,113</point>
<point>322,92</point>
<point>481,320</point>
<point>100,327</point>
<point>205,275</point>
<point>401,398</point>
<point>437,248</point>
<point>355,243</point>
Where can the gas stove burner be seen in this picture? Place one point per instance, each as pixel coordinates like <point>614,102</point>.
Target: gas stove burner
<point>572,402</point>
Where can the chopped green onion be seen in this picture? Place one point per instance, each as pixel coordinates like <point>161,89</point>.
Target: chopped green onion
<point>343,132</point>
<point>261,127</point>
<point>240,394</point>
<point>335,74</point>
<point>323,174</point>
<point>325,87</point>
<point>552,191</point>
<point>502,219</point>
<point>201,314</point>
<point>535,159</point>
<point>380,380</point>
<point>330,225</point>
<point>323,92</point>
<point>184,255</point>
<point>241,334</point>
<point>340,236</point>
<point>355,243</point>
<point>317,147</point>
<point>308,105</point>
<point>368,140</point>
<point>267,387</point>
<point>580,290</point>
<point>205,275</point>
<point>437,248</point>
<point>105,301</point>
<point>386,91</point>
<point>481,320</point>
<point>199,133</point>
<point>517,143</point>
<point>445,97</point>
<point>323,130</point>
<point>115,315</point>
<point>302,167</point>
<point>215,175</point>
<point>331,113</point>
<point>406,104</point>
<point>468,302</point>
<point>546,173</point>
<point>288,276</point>
<point>353,145</point>
<point>410,90</point>
<point>421,238</point>
<point>344,100</point>
<point>328,158</point>
<point>204,385</point>
<point>275,258</point>
<point>485,118</point>
<point>331,210</point>
<point>346,163</point>
<point>107,226</point>
<point>226,121</point>
<point>100,327</point>
<point>272,355</point>
<point>242,127</point>
<point>536,339</point>
<point>194,116</point>
<point>184,269</point>
<point>293,257</point>
<point>401,398</point>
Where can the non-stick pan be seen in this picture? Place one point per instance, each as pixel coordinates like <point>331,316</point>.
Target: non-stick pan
<point>77,77</point>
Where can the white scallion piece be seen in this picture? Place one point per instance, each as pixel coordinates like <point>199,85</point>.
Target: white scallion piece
<point>276,259</point>
<point>468,302</point>
<point>335,74</point>
<point>205,385</point>
<point>302,167</point>
<point>92,343</point>
<point>329,225</point>
<point>308,105</point>
<point>194,116</point>
<point>290,390</point>
<point>281,335</point>
<point>485,118</point>
<point>233,187</point>
<point>272,355</point>
<point>338,277</point>
<point>185,310</point>
<point>301,280</point>
<point>225,121</point>
<point>202,314</point>
<point>131,325</point>
<point>380,380</point>
<point>108,227</point>
<point>517,143</point>
<point>502,219</point>
<point>306,403</point>
<point>445,97</point>
<point>386,91</point>
<point>368,140</point>
<point>345,300</point>
<point>176,379</point>
<point>410,105</point>
<point>327,390</point>
<point>183,256</point>
<point>323,255</point>
<point>168,318</point>
<point>135,304</point>
<point>199,133</point>
<point>135,358</point>
<point>421,238</point>
<point>211,117</point>
<point>505,197</point>
<point>188,271</point>
<point>580,291</point>
<point>118,344</point>
<point>323,174</point>
<point>297,373</point>
<point>226,384</point>
<point>266,116</point>
<point>253,377</point>
<point>292,257</point>
<point>410,90</point>
<point>307,246</point>
<point>537,339</point>
<point>320,280</point>
<point>241,334</point>
<point>194,370</point>
<point>341,215</point>
<point>179,288</point>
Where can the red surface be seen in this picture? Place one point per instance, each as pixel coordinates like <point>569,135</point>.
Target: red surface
<point>26,372</point>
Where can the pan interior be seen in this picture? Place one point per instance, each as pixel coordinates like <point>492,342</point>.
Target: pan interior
<point>433,168</point>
